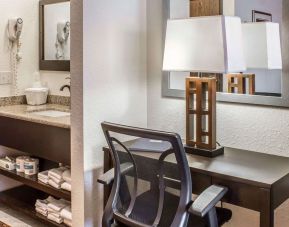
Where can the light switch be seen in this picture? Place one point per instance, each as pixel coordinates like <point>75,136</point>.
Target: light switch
<point>5,77</point>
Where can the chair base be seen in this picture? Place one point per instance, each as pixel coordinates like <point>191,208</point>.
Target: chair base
<point>204,152</point>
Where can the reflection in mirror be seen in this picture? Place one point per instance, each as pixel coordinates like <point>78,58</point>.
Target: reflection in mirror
<point>262,35</point>
<point>57,31</point>
<point>54,38</point>
<point>262,29</point>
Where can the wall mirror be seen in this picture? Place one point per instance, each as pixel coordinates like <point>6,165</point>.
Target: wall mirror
<point>266,81</point>
<point>54,35</point>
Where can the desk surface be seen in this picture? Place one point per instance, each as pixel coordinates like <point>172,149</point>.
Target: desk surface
<point>258,169</point>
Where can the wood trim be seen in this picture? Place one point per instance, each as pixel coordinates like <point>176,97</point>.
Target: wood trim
<point>32,181</point>
<point>240,81</point>
<point>196,89</point>
<point>44,141</point>
<point>52,65</point>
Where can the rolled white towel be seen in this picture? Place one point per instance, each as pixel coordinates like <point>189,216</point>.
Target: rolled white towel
<point>66,213</point>
<point>67,222</point>
<point>58,205</point>
<point>57,172</point>
<point>55,219</point>
<point>66,186</point>
<point>66,175</point>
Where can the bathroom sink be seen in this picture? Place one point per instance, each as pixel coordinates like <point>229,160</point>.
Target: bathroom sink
<point>52,113</point>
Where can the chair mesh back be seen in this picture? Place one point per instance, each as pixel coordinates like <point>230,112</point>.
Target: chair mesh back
<point>150,191</point>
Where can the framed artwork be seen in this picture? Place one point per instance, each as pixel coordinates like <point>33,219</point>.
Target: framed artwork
<point>258,16</point>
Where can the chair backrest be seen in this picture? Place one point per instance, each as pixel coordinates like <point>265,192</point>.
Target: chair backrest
<point>123,201</point>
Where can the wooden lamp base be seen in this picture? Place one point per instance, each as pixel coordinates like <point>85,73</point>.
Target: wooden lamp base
<point>204,152</point>
<point>201,117</point>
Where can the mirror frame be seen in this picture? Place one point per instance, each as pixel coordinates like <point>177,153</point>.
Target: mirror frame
<point>51,65</point>
<point>238,98</point>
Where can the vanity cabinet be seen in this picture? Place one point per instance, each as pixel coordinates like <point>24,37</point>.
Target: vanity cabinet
<point>205,8</point>
<point>44,141</point>
<point>47,138</point>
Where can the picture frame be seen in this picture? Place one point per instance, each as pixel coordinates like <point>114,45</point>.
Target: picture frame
<point>259,16</point>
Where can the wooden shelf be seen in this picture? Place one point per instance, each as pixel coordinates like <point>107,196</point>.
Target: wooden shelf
<point>26,204</point>
<point>32,181</point>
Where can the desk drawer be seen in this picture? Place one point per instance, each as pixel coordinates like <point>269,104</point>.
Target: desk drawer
<point>240,194</point>
<point>200,182</point>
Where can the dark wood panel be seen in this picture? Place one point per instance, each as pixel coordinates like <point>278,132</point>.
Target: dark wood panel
<point>239,194</point>
<point>280,191</point>
<point>32,181</point>
<point>44,141</point>
<point>200,182</point>
<point>253,168</point>
<point>14,198</point>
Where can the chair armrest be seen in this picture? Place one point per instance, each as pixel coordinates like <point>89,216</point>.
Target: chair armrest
<point>108,177</point>
<point>207,200</point>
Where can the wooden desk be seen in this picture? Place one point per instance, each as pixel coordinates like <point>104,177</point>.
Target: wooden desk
<point>256,181</point>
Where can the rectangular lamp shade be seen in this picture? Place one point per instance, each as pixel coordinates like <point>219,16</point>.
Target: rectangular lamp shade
<point>262,45</point>
<point>204,44</point>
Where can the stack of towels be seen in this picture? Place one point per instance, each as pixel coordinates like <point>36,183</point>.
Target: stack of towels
<point>58,211</point>
<point>59,178</point>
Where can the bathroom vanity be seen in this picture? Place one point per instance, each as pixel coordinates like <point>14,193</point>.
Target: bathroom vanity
<point>42,132</point>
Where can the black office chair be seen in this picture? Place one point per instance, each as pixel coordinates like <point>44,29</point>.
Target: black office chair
<point>167,199</point>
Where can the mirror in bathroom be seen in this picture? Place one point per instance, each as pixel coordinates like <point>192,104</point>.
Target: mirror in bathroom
<point>54,38</point>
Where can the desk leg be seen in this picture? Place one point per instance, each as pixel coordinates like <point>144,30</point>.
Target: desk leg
<point>267,211</point>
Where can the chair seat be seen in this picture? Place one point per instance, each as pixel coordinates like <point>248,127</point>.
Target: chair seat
<point>146,205</point>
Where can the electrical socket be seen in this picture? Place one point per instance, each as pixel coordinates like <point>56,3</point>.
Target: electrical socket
<point>5,77</point>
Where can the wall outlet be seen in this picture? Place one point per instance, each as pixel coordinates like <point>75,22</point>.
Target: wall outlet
<point>5,77</point>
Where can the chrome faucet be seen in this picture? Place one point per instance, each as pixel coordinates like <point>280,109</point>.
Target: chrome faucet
<point>66,85</point>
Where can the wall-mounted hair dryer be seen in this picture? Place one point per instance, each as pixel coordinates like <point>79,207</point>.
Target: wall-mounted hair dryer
<point>14,29</point>
<point>63,31</point>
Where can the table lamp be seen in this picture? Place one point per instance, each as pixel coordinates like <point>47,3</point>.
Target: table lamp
<point>204,45</point>
<point>262,48</point>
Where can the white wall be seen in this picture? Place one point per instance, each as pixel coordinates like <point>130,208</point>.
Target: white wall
<point>114,89</point>
<point>261,129</point>
<point>243,9</point>
<point>54,81</point>
<point>266,80</point>
<point>29,12</point>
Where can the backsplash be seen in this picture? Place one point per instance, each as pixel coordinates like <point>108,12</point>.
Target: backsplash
<point>20,100</point>
<point>60,100</point>
<point>12,100</point>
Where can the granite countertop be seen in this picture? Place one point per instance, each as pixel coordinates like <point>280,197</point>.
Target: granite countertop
<point>26,113</point>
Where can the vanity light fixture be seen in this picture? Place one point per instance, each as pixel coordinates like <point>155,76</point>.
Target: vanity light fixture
<point>203,45</point>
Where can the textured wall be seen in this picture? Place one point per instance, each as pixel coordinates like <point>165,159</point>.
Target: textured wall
<point>262,129</point>
<point>113,89</point>
<point>256,128</point>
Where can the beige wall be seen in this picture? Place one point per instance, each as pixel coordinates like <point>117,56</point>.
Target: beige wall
<point>256,128</point>
<point>113,88</point>
<point>28,11</point>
